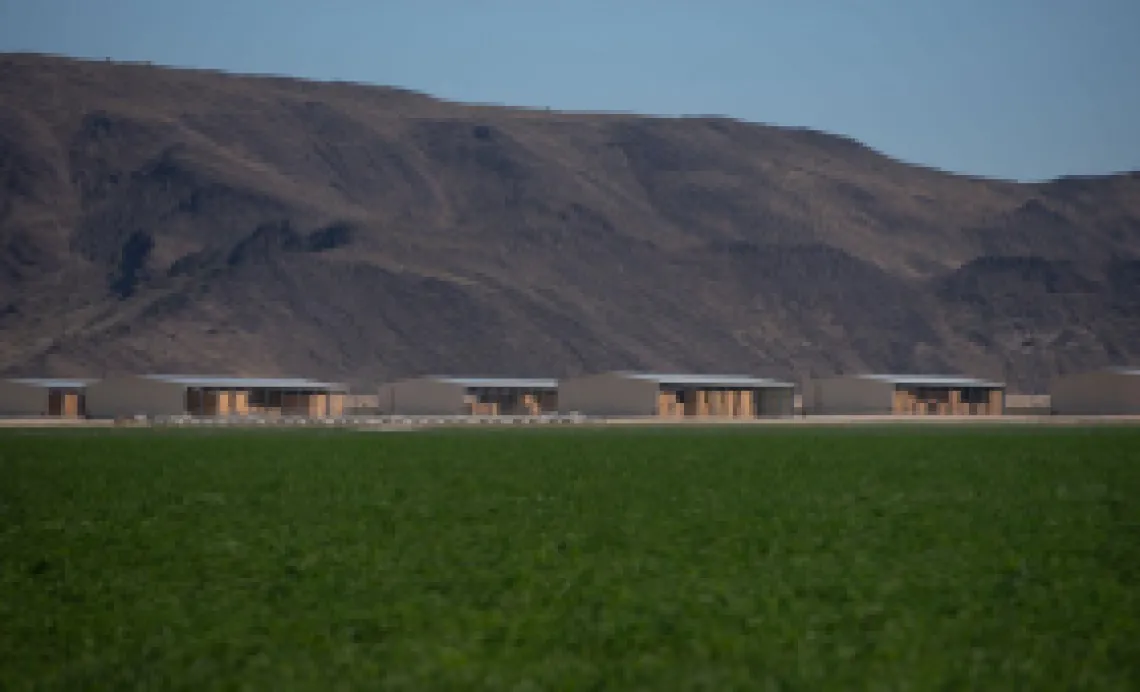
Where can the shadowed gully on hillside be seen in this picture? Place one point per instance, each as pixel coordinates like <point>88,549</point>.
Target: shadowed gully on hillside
<point>167,219</point>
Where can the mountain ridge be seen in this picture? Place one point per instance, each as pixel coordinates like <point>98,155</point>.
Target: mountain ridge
<point>167,219</point>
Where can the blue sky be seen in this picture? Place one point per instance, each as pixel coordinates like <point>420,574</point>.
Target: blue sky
<point>1022,89</point>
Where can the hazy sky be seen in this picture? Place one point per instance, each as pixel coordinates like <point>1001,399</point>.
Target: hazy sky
<point>1024,89</point>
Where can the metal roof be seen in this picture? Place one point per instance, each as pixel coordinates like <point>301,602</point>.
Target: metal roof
<point>933,380</point>
<point>222,381</point>
<point>501,382</point>
<point>1125,371</point>
<point>51,383</point>
<point>696,380</point>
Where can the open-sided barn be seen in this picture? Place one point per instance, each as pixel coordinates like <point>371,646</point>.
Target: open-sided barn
<point>676,396</point>
<point>949,395</point>
<point>42,396</point>
<point>488,396</point>
<point>210,395</point>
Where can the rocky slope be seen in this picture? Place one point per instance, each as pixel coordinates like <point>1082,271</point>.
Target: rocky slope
<point>160,219</point>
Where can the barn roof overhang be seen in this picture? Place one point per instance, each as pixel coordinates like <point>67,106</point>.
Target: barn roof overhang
<point>934,381</point>
<point>226,382</point>
<point>705,380</point>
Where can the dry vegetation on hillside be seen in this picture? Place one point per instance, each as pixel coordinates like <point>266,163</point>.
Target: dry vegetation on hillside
<point>179,220</point>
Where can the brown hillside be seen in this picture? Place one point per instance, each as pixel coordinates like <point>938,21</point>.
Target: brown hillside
<point>159,219</point>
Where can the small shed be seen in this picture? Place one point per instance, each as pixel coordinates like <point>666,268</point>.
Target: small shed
<point>1107,392</point>
<point>676,395</point>
<point>214,395</point>
<point>44,396</point>
<point>442,395</point>
<point>920,395</point>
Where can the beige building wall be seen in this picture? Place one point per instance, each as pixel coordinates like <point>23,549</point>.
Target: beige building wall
<point>361,401</point>
<point>1028,404</point>
<point>775,401</point>
<point>848,396</point>
<point>1103,393</point>
<point>17,399</point>
<point>608,394</point>
<point>130,396</point>
<point>1130,394</point>
<point>421,397</point>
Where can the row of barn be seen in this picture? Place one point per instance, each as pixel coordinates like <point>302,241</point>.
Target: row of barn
<point>616,394</point>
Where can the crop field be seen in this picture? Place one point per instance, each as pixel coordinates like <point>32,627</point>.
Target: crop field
<point>600,559</point>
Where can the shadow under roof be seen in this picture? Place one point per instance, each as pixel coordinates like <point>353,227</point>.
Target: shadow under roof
<point>501,382</point>
<point>52,382</point>
<point>697,380</point>
<point>933,380</point>
<point>222,382</point>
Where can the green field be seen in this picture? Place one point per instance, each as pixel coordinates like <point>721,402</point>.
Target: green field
<point>651,559</point>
